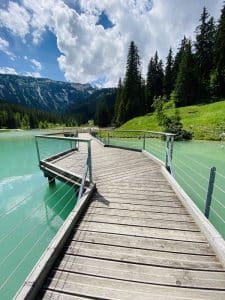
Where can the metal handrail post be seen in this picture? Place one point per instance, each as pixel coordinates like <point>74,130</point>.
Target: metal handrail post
<point>90,162</point>
<point>108,139</point>
<point>210,191</point>
<point>171,152</point>
<point>144,141</point>
<point>167,152</point>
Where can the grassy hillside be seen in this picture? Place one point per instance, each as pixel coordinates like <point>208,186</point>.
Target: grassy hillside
<point>205,121</point>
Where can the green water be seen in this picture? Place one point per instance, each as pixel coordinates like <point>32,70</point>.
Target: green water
<point>192,161</point>
<point>31,212</point>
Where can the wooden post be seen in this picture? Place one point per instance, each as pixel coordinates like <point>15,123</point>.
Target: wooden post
<point>210,191</point>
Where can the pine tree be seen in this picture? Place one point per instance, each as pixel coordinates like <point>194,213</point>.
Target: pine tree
<point>154,87</point>
<point>220,56</point>
<point>204,46</point>
<point>186,92</point>
<point>177,59</point>
<point>168,78</point>
<point>117,102</point>
<point>131,104</point>
<point>102,114</point>
<point>150,86</point>
<point>159,79</point>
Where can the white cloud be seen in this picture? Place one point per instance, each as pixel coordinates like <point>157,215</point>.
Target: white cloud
<point>36,64</point>
<point>7,70</point>
<point>4,47</point>
<point>89,52</point>
<point>32,74</point>
<point>16,18</point>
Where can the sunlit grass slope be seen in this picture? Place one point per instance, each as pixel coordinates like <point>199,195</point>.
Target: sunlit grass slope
<point>205,121</point>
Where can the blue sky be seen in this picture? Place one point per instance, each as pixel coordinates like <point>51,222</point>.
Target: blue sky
<point>87,41</point>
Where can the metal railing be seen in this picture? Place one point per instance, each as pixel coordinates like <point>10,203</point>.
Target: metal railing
<point>138,140</point>
<point>68,145</point>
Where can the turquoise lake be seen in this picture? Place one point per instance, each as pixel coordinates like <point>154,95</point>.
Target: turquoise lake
<point>31,211</point>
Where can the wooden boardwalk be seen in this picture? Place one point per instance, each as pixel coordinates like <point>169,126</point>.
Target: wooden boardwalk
<point>135,240</point>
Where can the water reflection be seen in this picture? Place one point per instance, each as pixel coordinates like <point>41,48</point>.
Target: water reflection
<point>60,205</point>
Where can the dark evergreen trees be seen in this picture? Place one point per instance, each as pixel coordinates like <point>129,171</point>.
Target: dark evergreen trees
<point>154,86</point>
<point>103,117</point>
<point>177,59</point>
<point>219,72</point>
<point>150,86</point>
<point>18,116</point>
<point>186,91</point>
<point>131,104</point>
<point>168,82</point>
<point>204,45</point>
<point>118,103</point>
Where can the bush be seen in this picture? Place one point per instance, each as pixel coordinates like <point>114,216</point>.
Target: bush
<point>170,124</point>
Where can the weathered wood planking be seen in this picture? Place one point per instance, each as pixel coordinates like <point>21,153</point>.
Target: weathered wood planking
<point>135,241</point>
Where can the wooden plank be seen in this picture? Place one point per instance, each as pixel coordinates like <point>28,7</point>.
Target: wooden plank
<point>140,222</point>
<point>145,208</point>
<point>133,201</point>
<point>143,242</point>
<point>144,232</point>
<point>146,257</point>
<point>135,191</point>
<point>151,196</point>
<point>139,214</point>
<point>107,288</point>
<point>142,273</point>
<point>52,295</point>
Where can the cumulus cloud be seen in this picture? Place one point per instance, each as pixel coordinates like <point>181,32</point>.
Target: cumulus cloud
<point>36,64</point>
<point>15,18</point>
<point>88,51</point>
<point>7,70</point>
<point>32,74</point>
<point>4,47</point>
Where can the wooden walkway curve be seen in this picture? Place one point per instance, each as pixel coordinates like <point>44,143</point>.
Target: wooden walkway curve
<point>135,240</point>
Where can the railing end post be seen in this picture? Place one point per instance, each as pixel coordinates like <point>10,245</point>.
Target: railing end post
<point>210,191</point>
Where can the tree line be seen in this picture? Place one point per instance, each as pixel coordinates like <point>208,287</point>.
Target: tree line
<point>18,116</point>
<point>195,74</point>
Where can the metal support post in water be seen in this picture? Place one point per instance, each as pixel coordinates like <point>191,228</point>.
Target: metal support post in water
<point>51,180</point>
<point>37,148</point>
<point>89,162</point>
<point>210,191</point>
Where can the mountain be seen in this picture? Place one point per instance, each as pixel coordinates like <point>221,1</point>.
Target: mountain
<point>43,94</point>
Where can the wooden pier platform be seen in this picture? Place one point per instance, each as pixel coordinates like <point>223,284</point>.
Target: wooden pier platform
<point>135,240</point>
